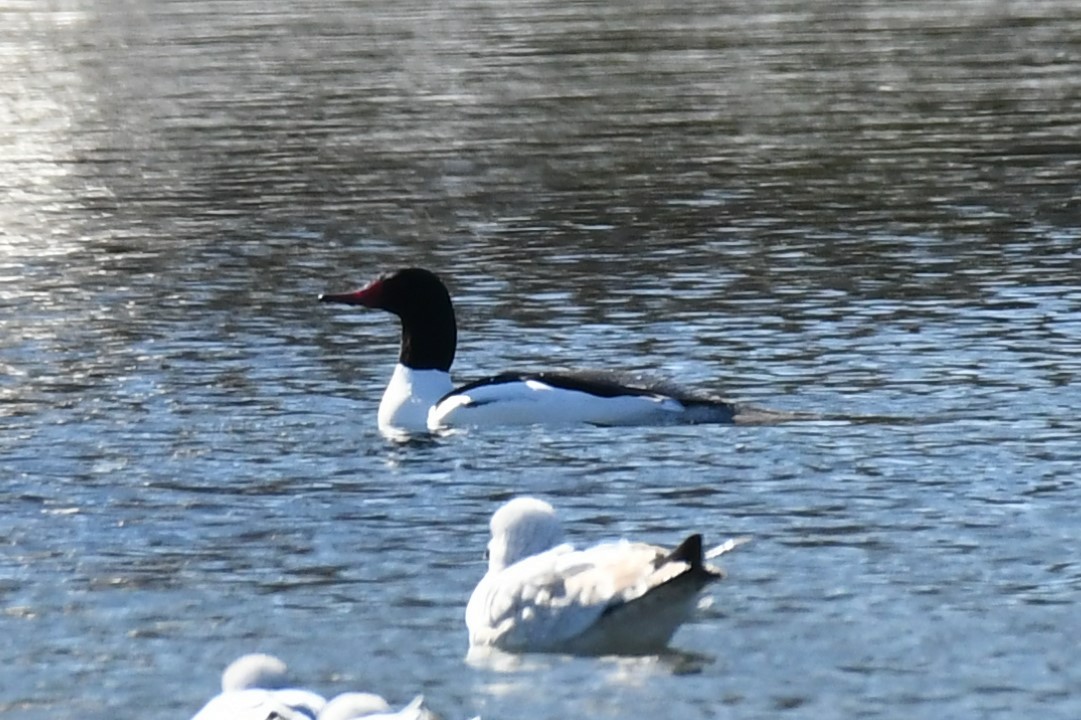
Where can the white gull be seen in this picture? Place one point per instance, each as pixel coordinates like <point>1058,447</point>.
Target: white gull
<point>616,598</point>
<point>257,687</point>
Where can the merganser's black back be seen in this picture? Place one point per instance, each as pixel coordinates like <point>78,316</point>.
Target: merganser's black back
<point>615,383</point>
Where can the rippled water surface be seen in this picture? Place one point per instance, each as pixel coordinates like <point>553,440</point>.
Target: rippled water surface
<point>865,210</point>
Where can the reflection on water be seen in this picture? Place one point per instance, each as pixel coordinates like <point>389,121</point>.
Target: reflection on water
<point>863,209</point>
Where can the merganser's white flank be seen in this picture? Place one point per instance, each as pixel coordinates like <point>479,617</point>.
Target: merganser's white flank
<point>256,687</point>
<point>420,395</point>
<point>616,598</point>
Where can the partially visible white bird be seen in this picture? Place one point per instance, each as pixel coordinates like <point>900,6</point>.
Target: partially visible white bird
<point>616,598</point>
<point>368,706</point>
<point>257,687</point>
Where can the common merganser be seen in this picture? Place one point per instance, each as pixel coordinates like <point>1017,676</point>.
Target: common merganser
<point>420,395</point>
<point>616,598</point>
<point>256,687</point>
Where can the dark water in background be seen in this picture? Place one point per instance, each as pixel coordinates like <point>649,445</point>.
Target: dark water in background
<point>867,209</point>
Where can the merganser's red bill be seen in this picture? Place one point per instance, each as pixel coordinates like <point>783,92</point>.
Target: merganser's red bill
<point>371,296</point>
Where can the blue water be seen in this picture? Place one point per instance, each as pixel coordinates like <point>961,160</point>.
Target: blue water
<point>864,211</point>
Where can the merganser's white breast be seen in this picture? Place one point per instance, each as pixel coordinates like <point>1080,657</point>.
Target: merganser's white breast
<point>409,398</point>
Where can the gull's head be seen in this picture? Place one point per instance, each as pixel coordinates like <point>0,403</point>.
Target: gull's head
<point>523,527</point>
<point>255,671</point>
